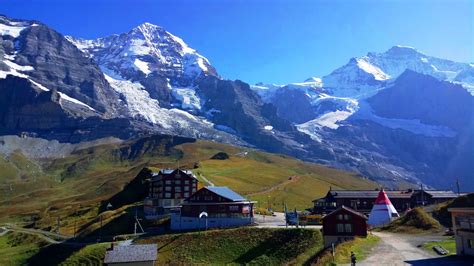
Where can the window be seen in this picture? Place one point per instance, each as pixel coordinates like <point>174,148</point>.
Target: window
<point>186,182</point>
<point>186,188</point>
<point>208,198</point>
<point>186,194</point>
<point>233,208</point>
<point>470,243</point>
<point>177,182</point>
<point>194,190</point>
<point>177,189</point>
<point>340,217</point>
<point>167,188</point>
<point>340,228</point>
<point>168,182</point>
<point>348,228</point>
<point>167,195</point>
<point>347,217</point>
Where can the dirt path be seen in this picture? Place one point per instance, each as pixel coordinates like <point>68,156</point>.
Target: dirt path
<point>402,249</point>
<point>395,249</point>
<point>290,179</point>
<point>207,180</point>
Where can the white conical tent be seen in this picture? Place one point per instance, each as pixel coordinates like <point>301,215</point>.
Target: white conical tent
<point>383,211</point>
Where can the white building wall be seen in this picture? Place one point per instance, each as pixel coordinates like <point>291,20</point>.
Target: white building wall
<point>192,223</point>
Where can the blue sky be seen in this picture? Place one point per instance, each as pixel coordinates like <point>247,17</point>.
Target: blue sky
<point>270,40</point>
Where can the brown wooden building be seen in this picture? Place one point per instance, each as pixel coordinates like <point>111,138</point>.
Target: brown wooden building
<point>168,189</point>
<point>343,224</point>
<point>363,200</point>
<point>223,208</point>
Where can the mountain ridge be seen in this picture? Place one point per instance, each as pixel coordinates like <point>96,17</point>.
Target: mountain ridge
<point>148,81</point>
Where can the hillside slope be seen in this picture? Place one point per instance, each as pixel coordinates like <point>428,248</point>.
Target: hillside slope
<point>38,189</point>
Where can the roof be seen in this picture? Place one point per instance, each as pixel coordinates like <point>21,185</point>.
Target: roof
<point>347,209</point>
<point>370,193</point>
<point>171,171</point>
<point>382,198</point>
<point>393,194</point>
<point>226,193</point>
<point>131,253</point>
<point>462,209</point>
<point>442,193</point>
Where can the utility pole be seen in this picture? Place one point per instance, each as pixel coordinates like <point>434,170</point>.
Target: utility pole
<point>457,185</point>
<point>58,224</point>
<point>75,221</point>
<point>100,229</point>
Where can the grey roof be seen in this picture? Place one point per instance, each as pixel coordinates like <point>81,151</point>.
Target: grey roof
<point>170,171</point>
<point>131,253</point>
<point>441,193</point>
<point>226,193</point>
<point>370,193</point>
<point>395,194</point>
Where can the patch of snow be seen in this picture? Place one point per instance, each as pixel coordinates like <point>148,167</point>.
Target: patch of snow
<point>18,67</point>
<point>64,96</point>
<point>371,69</point>
<point>188,98</point>
<point>13,31</point>
<point>142,66</point>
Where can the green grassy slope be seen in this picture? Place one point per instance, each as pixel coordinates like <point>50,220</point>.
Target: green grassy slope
<point>236,246</point>
<point>17,248</point>
<point>38,192</point>
<point>415,221</point>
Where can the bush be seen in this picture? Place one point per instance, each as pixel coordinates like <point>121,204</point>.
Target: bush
<point>220,156</point>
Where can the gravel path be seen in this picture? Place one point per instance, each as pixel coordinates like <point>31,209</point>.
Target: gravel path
<point>402,249</point>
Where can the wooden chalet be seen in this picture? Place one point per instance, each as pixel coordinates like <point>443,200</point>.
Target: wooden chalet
<point>222,206</point>
<point>343,224</point>
<point>363,200</point>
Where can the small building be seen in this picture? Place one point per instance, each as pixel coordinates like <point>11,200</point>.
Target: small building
<point>132,255</point>
<point>383,211</point>
<point>223,207</point>
<point>463,227</point>
<point>343,224</point>
<point>363,200</point>
<point>168,189</point>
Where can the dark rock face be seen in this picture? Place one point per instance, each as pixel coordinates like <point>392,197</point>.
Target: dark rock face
<point>293,105</point>
<point>234,105</point>
<point>434,102</point>
<point>21,102</point>
<point>59,65</point>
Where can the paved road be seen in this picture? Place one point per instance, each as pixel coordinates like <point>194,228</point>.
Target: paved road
<point>277,221</point>
<point>401,249</point>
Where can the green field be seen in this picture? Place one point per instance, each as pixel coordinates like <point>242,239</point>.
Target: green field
<point>17,248</point>
<point>448,244</point>
<point>37,192</point>
<point>413,222</point>
<point>238,246</point>
<point>360,246</point>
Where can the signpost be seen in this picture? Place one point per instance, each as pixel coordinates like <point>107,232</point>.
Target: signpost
<point>203,214</point>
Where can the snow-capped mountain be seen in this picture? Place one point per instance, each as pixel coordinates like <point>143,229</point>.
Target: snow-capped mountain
<point>399,116</point>
<point>146,50</point>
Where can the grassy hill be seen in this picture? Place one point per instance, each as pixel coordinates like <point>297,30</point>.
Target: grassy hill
<point>238,246</point>
<point>37,192</point>
<point>415,221</point>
